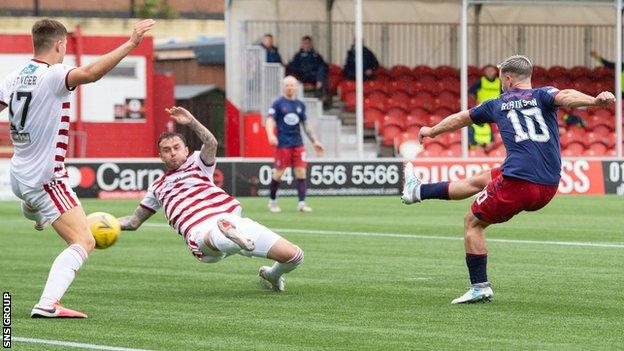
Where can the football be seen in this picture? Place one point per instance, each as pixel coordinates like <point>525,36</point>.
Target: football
<point>105,229</point>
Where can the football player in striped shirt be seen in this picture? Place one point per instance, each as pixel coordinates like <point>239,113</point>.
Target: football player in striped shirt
<point>37,95</point>
<point>208,219</point>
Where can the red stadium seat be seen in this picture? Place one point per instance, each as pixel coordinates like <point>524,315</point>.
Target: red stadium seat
<point>419,112</point>
<point>604,72</point>
<point>497,152</point>
<point>388,135</point>
<point>377,100</point>
<point>453,137</point>
<point>416,119</point>
<point>435,119</point>
<point>382,71</point>
<point>477,152</point>
<point>374,85</point>
<point>601,131</point>
<point>414,129</point>
<point>423,99</point>
<point>583,84</point>
<point>575,148</point>
<point>349,101</point>
<point>579,72</point>
<point>335,69</point>
<point>400,99</point>
<point>451,103</point>
<point>432,149</point>
<point>371,115</point>
<point>539,71</point>
<point>399,71</point>
<point>566,138</point>
<point>443,111</point>
<point>444,71</point>
<point>474,70</point>
<point>555,72</point>
<point>450,84</point>
<point>420,70</point>
<point>332,83</point>
<point>345,87</point>
<point>397,112</point>
<point>596,149</point>
<point>429,83</point>
<point>562,82</point>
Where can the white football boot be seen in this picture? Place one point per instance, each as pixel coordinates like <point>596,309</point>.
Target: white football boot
<point>476,292</point>
<point>302,207</point>
<point>277,284</point>
<point>229,231</point>
<point>273,207</point>
<point>411,186</point>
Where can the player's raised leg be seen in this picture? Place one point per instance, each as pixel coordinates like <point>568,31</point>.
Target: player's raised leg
<point>414,190</point>
<point>476,260</point>
<point>73,228</point>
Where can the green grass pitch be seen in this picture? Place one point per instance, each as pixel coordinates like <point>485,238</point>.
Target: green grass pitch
<point>361,287</point>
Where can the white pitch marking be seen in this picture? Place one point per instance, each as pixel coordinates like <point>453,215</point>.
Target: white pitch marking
<point>73,344</point>
<point>433,237</point>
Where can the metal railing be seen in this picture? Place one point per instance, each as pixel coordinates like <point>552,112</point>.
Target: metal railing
<point>414,44</point>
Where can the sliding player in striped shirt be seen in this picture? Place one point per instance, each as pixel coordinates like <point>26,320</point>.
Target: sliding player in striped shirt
<point>207,217</point>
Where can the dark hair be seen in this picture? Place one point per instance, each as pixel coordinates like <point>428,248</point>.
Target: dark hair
<point>170,135</point>
<point>269,35</point>
<point>45,32</point>
<point>306,37</point>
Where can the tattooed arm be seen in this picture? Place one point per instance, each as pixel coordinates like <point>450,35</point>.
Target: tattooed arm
<point>134,222</point>
<point>184,117</point>
<point>318,147</point>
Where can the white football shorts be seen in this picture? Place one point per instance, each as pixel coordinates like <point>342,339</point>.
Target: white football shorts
<point>263,237</point>
<point>52,199</point>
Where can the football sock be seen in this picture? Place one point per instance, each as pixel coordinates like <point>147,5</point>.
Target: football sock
<point>434,191</point>
<point>62,273</point>
<point>282,268</point>
<point>301,189</point>
<point>274,186</point>
<point>477,268</point>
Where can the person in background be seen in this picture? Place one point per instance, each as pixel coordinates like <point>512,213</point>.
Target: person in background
<point>369,62</point>
<point>272,53</point>
<point>309,68</point>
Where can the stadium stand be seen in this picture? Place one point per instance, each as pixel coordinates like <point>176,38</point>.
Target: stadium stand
<point>401,100</point>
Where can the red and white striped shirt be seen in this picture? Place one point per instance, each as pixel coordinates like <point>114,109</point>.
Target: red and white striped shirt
<point>188,195</point>
<point>38,99</point>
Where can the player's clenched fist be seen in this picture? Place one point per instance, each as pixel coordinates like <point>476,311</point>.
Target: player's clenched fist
<point>605,98</point>
<point>425,132</point>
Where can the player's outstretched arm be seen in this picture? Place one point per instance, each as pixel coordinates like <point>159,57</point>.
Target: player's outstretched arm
<point>571,98</point>
<point>451,123</point>
<point>318,147</point>
<point>98,68</point>
<point>208,151</point>
<point>133,222</point>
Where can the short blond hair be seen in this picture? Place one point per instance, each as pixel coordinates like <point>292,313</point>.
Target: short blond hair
<point>518,65</point>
